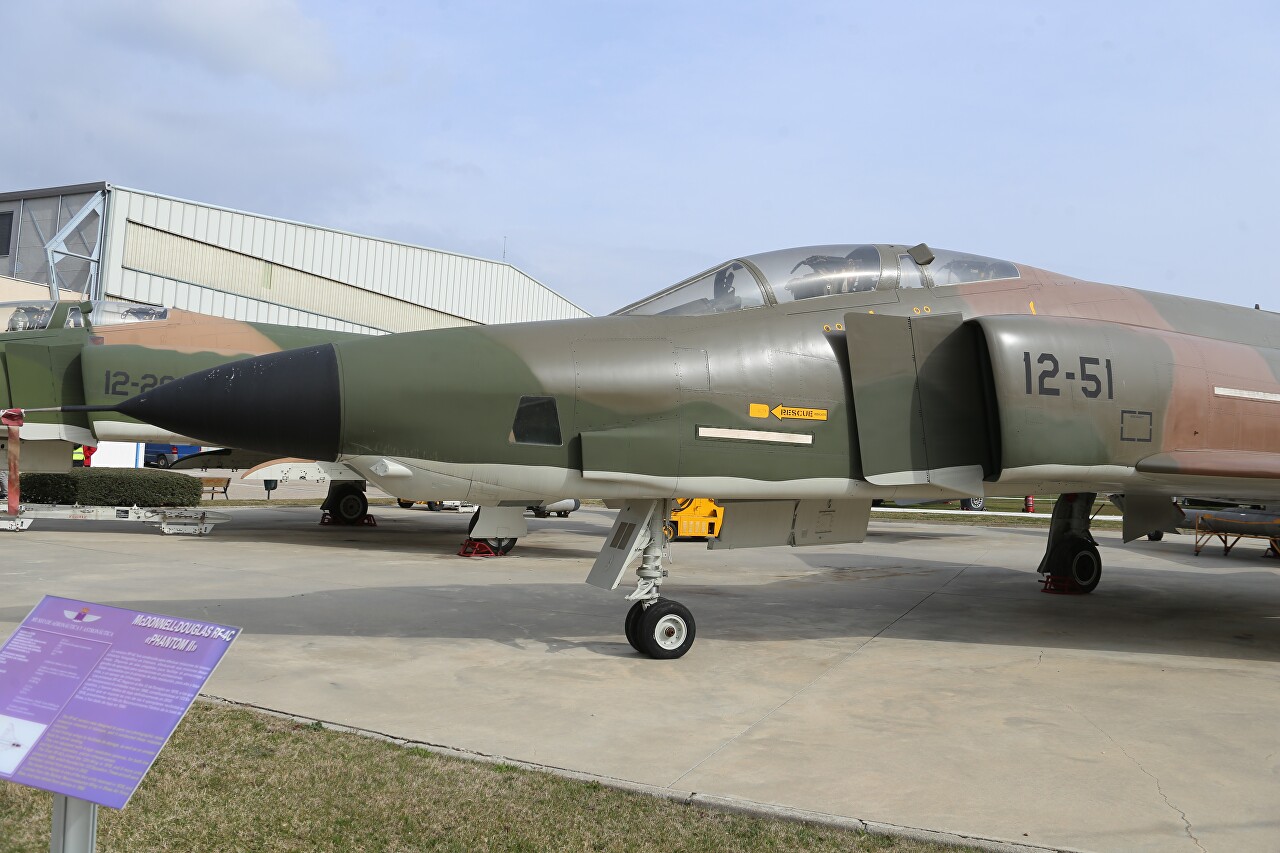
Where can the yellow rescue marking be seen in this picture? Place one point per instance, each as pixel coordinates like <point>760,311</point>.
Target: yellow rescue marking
<point>1032,303</point>
<point>794,413</point>
<point>797,414</point>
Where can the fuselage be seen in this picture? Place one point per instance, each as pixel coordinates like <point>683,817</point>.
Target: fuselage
<point>657,406</point>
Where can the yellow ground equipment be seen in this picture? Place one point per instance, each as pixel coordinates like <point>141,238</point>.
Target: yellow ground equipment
<point>694,517</point>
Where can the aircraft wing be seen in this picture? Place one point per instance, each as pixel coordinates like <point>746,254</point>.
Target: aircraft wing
<point>1219,464</point>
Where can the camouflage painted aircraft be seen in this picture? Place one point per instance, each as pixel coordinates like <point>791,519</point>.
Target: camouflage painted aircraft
<point>795,387</point>
<point>97,353</point>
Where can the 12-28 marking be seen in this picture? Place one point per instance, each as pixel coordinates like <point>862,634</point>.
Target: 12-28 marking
<point>119,383</point>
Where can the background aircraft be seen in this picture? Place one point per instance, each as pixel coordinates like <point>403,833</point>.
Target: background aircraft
<point>795,387</point>
<point>75,353</point>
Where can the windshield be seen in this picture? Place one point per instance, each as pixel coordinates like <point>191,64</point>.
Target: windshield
<point>25,316</point>
<point>727,288</point>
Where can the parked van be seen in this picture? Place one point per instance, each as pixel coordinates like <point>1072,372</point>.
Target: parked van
<point>164,455</point>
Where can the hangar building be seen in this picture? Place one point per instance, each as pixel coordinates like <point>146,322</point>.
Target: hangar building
<point>102,241</point>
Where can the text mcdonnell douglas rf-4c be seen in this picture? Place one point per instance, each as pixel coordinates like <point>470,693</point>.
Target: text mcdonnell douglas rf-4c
<point>796,386</point>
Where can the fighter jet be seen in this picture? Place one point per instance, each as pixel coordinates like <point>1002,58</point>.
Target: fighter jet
<point>794,387</point>
<point>96,353</point>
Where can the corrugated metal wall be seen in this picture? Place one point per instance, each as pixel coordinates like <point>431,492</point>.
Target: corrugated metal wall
<point>153,289</point>
<point>315,271</point>
<point>180,259</point>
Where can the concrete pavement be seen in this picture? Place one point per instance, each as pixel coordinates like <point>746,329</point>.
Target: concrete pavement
<point>920,679</point>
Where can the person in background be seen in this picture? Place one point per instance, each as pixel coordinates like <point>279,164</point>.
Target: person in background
<point>77,457</point>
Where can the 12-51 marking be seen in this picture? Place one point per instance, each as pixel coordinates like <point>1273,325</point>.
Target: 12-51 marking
<point>1092,384</point>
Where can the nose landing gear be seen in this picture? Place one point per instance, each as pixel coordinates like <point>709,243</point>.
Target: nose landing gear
<point>655,626</point>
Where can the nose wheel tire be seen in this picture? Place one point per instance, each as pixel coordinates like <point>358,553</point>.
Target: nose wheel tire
<point>665,630</point>
<point>1078,560</point>
<point>404,504</point>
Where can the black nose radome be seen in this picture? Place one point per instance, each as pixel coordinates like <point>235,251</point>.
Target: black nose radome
<point>286,402</point>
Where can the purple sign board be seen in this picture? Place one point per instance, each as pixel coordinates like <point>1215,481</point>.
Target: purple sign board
<point>89,694</point>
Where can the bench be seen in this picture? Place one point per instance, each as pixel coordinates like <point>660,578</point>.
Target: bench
<point>213,485</point>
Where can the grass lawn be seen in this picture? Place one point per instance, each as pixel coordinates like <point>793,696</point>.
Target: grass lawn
<point>234,779</point>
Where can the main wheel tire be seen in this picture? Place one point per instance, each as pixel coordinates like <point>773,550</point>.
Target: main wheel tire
<point>629,627</point>
<point>405,504</point>
<point>665,630</point>
<point>501,546</point>
<point>1155,535</point>
<point>1078,559</point>
<point>973,504</point>
<point>349,506</point>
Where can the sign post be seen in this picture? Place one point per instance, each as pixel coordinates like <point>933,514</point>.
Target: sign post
<point>75,825</point>
<point>89,695</point>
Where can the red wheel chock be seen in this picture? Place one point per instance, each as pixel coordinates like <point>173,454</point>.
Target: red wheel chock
<point>1060,585</point>
<point>477,548</point>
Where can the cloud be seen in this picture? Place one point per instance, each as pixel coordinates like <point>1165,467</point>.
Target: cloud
<point>273,39</point>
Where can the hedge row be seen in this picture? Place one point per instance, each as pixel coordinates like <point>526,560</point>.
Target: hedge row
<point>112,487</point>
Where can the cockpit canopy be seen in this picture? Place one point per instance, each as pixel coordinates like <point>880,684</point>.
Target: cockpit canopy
<point>790,275</point>
<point>34,316</point>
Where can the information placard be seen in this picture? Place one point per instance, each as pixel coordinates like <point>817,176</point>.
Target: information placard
<point>89,694</point>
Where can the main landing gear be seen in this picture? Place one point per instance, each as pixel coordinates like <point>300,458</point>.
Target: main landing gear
<point>493,531</point>
<point>655,626</point>
<point>1071,564</point>
<point>345,504</point>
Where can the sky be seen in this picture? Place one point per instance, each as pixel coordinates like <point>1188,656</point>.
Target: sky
<point>612,148</point>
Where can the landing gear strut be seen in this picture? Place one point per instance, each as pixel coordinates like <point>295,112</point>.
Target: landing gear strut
<point>1071,561</point>
<point>655,626</point>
